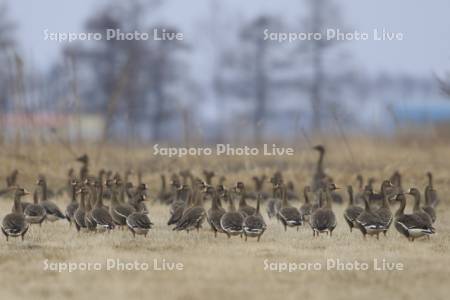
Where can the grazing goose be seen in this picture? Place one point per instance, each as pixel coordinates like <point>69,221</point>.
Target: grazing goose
<point>288,215</point>
<point>119,211</point>
<point>52,210</point>
<point>215,213</point>
<point>385,214</point>
<point>34,212</point>
<point>80,214</point>
<point>352,211</point>
<point>430,193</point>
<point>306,208</point>
<point>411,226</point>
<point>417,210</point>
<point>179,205</point>
<point>193,217</point>
<point>244,208</point>
<point>370,222</point>
<point>15,224</point>
<point>254,225</point>
<point>324,219</point>
<point>73,205</point>
<point>232,222</point>
<point>139,222</point>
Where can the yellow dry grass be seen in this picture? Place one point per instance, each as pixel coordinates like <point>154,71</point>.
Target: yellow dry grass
<point>218,268</point>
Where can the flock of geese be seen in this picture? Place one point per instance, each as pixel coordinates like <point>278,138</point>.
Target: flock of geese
<point>368,211</point>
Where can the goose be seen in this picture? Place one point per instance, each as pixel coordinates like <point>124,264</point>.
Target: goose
<point>291,194</point>
<point>89,220</point>
<point>34,212</point>
<point>244,208</point>
<point>208,176</point>
<point>15,224</point>
<point>139,222</point>
<point>288,215</point>
<point>352,211</point>
<point>11,179</point>
<point>139,194</point>
<point>370,222</point>
<point>80,214</point>
<point>273,202</point>
<point>100,214</point>
<point>324,219</point>
<point>430,193</point>
<point>306,208</point>
<point>254,225</point>
<point>84,170</point>
<point>428,208</point>
<point>232,222</point>
<point>259,186</point>
<point>319,176</point>
<point>119,211</point>
<point>215,213</point>
<point>386,189</point>
<point>385,214</point>
<point>359,197</point>
<point>417,210</point>
<point>53,213</point>
<point>73,205</point>
<point>410,225</point>
<point>179,205</point>
<point>396,180</point>
<point>193,217</point>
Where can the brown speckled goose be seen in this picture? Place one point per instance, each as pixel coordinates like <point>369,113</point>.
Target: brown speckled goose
<point>254,225</point>
<point>73,205</point>
<point>244,208</point>
<point>180,204</point>
<point>215,213</point>
<point>385,214</point>
<point>288,215</point>
<point>193,217</point>
<point>52,210</point>
<point>119,211</point>
<point>368,221</point>
<point>232,222</point>
<point>324,219</point>
<point>15,224</point>
<point>352,211</point>
<point>417,210</point>
<point>411,226</point>
<point>34,212</point>
<point>100,214</point>
<point>306,208</point>
<point>80,214</point>
<point>431,195</point>
<point>139,222</point>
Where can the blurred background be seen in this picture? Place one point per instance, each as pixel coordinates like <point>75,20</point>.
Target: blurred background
<point>223,81</point>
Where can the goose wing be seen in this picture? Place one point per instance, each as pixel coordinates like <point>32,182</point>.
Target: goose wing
<point>34,210</point>
<point>52,209</point>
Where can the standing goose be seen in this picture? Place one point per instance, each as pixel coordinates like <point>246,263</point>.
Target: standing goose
<point>99,213</point>
<point>193,217</point>
<point>34,212</point>
<point>52,210</point>
<point>119,211</point>
<point>259,185</point>
<point>352,211</point>
<point>324,219</point>
<point>288,215</point>
<point>139,222</point>
<point>272,203</point>
<point>385,214</point>
<point>306,208</point>
<point>319,176</point>
<point>137,196</point>
<point>80,214</point>
<point>359,197</point>
<point>411,226</point>
<point>215,213</point>
<point>431,195</point>
<point>254,225</point>
<point>244,208</point>
<point>417,210</point>
<point>179,205</point>
<point>15,224</point>
<point>428,208</point>
<point>90,222</point>
<point>368,221</point>
<point>232,222</point>
<point>73,205</point>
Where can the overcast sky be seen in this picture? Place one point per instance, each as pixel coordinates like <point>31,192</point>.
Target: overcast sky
<point>424,24</point>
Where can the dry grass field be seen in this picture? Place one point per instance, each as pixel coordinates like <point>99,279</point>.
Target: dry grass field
<point>218,268</point>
